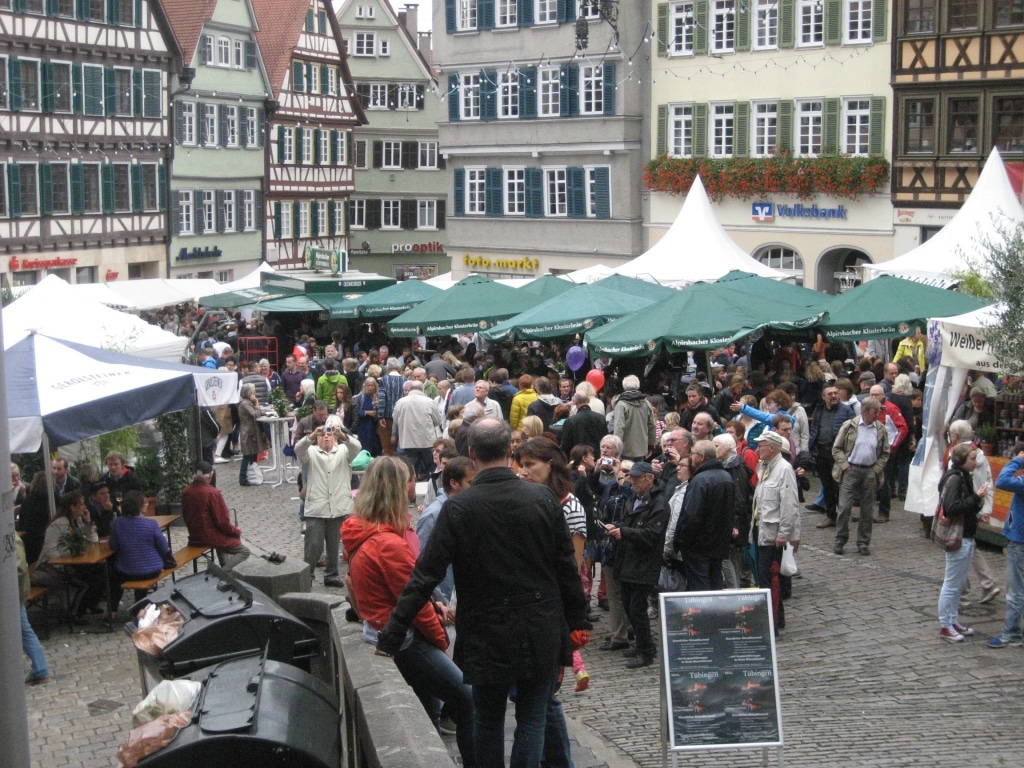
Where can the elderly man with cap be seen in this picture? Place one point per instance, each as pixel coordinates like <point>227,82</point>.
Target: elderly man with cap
<point>209,521</point>
<point>776,512</point>
<point>859,453</point>
<point>640,536</point>
<point>704,532</point>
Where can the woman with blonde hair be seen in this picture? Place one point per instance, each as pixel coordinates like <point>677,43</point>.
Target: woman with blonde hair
<point>532,426</point>
<point>381,549</point>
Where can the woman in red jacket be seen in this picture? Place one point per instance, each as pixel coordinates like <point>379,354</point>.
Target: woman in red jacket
<point>381,549</point>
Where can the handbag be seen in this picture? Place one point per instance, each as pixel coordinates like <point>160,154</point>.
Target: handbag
<point>788,566</point>
<point>671,580</point>
<point>170,563</point>
<point>946,532</point>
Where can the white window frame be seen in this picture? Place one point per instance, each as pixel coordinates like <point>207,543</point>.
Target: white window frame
<point>506,13</point>
<point>857,21</point>
<point>339,148</point>
<point>556,192</point>
<point>62,171</point>
<point>325,147</point>
<point>339,217</point>
<point>30,190</point>
<point>783,259</point>
<point>313,77</point>
<point>722,35</point>
<point>681,23</point>
<point>810,23</point>
<point>391,155</point>
<point>545,11</point>
<point>68,98</point>
<point>123,106</point>
<point>766,25</point>
<point>427,156</point>
<point>209,49</point>
<point>680,130</point>
<point>465,15</point>
<point>365,44</point>
<point>251,127</point>
<point>469,96</point>
<point>229,210</point>
<point>426,214</point>
<point>764,128</point>
<point>304,219</point>
<point>289,144</point>
<point>209,212</point>
<point>321,219</point>
<point>856,126</point>
<point>549,89</point>
<point>809,126</point>
<point>307,146</point>
<point>186,212</point>
<point>406,96</point>
<point>249,210</point>
<point>508,95</point>
<point>592,89</point>
<point>590,180</point>
<point>385,47</point>
<point>378,96</point>
<point>513,180</point>
<point>365,155</point>
<point>231,138</point>
<point>476,191</point>
<point>212,123</point>
<point>723,129</point>
<point>223,51</point>
<point>587,10</point>
<point>238,62</point>
<point>390,214</point>
<point>357,213</point>
<point>286,221</point>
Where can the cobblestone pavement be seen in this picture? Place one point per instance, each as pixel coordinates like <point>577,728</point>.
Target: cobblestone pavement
<point>864,678</point>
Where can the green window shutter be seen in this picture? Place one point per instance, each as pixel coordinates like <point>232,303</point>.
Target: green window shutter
<point>309,21</point>
<point>876,130</point>
<point>485,14</point>
<point>175,218</point>
<point>334,147</point>
<point>534,193</point>
<point>138,14</point>
<point>324,69</point>
<point>78,97</point>
<point>295,219</point>
<point>449,17</point>
<point>347,159</point>
<point>525,13</point>
<point>830,130</point>
<point>46,75</point>
<point>280,144</point>
<point>662,30</point>
<point>576,193</point>
<point>879,17</point>
<point>453,98</point>
<point>113,9</point>
<point>161,187</point>
<point>14,85</point>
<point>330,219</point>
<point>261,126</point>
<point>314,218</point>
<point>787,23</point>
<point>277,221</point>
<point>316,147</point>
<point>151,94</point>
<point>460,191</point>
<point>136,175</point>
<point>52,8</point>
<point>298,76</point>
<point>833,22</point>
<point>321,23</point>
<point>602,192</point>
<point>14,190</point>
<point>76,173</point>
<point>565,10</point>
<point>784,135</point>
<point>107,187</point>
<point>608,84</point>
<point>700,33</point>
<point>297,151</point>
<point>495,203</point>
<point>342,224</point>
<point>741,42</point>
<point>45,189</point>
<point>527,93</point>
<point>109,91</point>
<point>661,144</point>
<point>488,94</point>
<point>741,129</point>
<point>700,130</point>
<point>137,92</point>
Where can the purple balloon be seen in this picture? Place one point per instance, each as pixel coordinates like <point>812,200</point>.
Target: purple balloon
<point>575,357</point>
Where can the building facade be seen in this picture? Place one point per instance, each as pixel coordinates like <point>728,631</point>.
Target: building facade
<point>83,122</point>
<point>308,157</point>
<point>397,214</point>
<point>752,81</point>
<point>543,138</point>
<point>958,85</point>
<point>219,125</point>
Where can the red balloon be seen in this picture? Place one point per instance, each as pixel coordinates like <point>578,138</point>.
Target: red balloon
<point>596,379</point>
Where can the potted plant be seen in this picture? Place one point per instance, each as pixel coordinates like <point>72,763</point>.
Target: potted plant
<point>150,474</point>
<point>176,458</point>
<point>279,399</point>
<point>988,435</point>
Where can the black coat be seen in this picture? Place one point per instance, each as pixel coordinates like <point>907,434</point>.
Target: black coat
<point>706,519</point>
<point>638,555</point>
<point>515,575</point>
<point>584,428</point>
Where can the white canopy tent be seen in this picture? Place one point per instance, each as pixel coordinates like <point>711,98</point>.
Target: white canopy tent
<point>54,308</point>
<point>590,274</point>
<point>152,294</point>
<point>695,249</point>
<point>251,280</point>
<point>991,205</point>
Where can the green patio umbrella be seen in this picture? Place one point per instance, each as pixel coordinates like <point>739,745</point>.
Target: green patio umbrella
<point>575,311</point>
<point>474,303</point>
<point>889,307</point>
<point>634,287</point>
<point>700,316</point>
<point>245,297</point>
<point>547,286</point>
<point>387,302</point>
<point>776,290</point>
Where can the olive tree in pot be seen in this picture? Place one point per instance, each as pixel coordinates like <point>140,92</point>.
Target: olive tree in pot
<point>176,458</point>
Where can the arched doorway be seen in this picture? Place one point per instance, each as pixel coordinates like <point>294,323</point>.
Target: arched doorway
<point>783,259</point>
<point>837,269</point>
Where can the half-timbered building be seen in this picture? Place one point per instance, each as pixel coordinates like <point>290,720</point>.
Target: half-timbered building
<point>219,129</point>
<point>308,156</point>
<point>958,83</point>
<point>83,125</point>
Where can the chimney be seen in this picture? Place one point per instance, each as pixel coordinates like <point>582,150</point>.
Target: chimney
<point>410,18</point>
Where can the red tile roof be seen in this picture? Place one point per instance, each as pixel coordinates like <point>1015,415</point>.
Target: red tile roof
<point>281,22</point>
<point>187,18</point>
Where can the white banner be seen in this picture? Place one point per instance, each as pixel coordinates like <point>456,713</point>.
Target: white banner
<point>964,347</point>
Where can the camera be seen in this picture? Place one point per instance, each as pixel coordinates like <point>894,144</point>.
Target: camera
<point>328,430</point>
<point>607,463</point>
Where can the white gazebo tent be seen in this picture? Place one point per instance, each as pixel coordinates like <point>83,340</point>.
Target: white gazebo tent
<point>991,206</point>
<point>695,249</point>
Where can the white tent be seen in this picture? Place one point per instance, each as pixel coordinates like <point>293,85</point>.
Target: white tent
<point>992,204</point>
<point>694,249</point>
<point>152,294</point>
<point>252,280</point>
<point>54,308</point>
<point>590,274</point>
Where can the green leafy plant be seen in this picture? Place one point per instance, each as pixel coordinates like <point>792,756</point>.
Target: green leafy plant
<point>176,459</point>
<point>1004,266</point>
<point>149,472</point>
<point>125,441</point>
<point>987,433</point>
<point>73,541</point>
<point>279,399</point>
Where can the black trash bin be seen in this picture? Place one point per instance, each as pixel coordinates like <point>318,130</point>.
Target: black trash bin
<point>256,712</point>
<point>224,619</point>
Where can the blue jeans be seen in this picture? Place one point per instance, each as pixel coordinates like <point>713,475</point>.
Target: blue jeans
<point>33,649</point>
<point>703,574</point>
<point>557,753</point>
<point>432,675</point>
<point>1014,589</point>
<point>422,460</point>
<point>532,696</point>
<point>957,566</point>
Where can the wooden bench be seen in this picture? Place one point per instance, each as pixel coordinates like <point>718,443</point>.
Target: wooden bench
<point>39,597</point>
<point>182,557</point>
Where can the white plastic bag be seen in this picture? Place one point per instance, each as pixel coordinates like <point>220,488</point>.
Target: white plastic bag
<point>149,615</point>
<point>254,474</point>
<point>788,565</point>
<point>168,698</point>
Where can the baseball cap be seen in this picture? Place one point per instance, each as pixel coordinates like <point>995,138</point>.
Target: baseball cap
<point>641,468</point>
<point>775,439</point>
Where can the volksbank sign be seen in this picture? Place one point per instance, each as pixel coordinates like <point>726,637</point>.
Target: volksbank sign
<point>766,212</point>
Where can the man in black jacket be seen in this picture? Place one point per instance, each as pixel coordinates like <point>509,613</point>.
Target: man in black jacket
<point>704,533</point>
<point>519,595</point>
<point>640,537</point>
<point>584,427</point>
<point>829,415</point>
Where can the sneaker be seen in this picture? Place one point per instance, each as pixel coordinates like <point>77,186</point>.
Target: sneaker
<point>639,661</point>
<point>333,581</point>
<point>882,519</point>
<point>837,548</point>
<point>965,603</point>
<point>447,726</point>
<point>965,631</point>
<point>950,635</point>
<point>1005,641</point>
<point>990,595</point>
<point>582,681</point>
<point>863,549</point>
<point>828,522</point>
<point>815,507</point>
